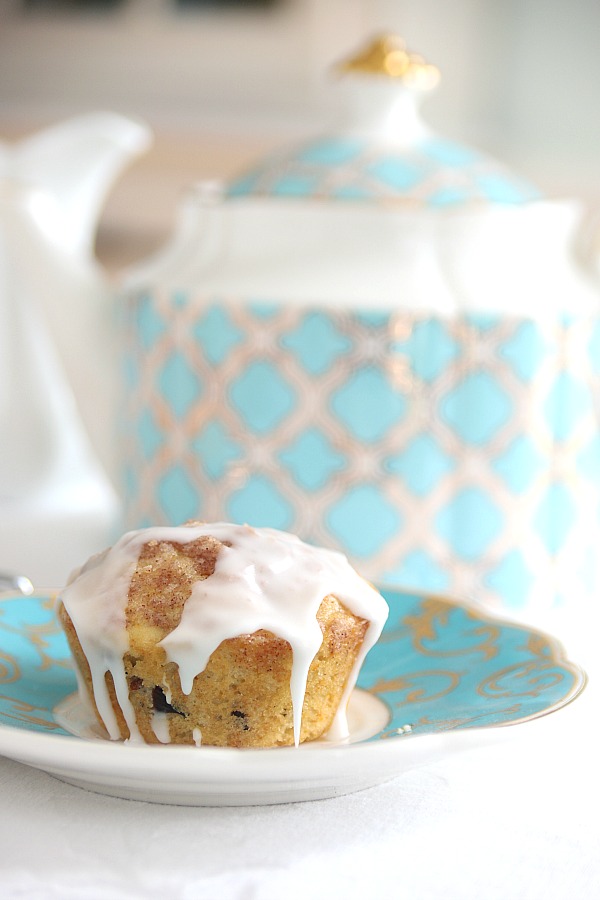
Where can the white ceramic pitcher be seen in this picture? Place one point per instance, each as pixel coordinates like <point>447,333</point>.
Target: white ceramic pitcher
<point>55,302</point>
<point>58,375</point>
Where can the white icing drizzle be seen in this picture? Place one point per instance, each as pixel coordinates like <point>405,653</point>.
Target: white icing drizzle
<point>160,727</point>
<point>266,579</point>
<point>197,736</point>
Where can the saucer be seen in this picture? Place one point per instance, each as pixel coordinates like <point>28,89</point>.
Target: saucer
<point>442,671</point>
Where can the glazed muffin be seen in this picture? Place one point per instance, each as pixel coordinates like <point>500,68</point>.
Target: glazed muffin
<point>219,635</point>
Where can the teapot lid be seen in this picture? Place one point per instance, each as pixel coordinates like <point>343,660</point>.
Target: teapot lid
<point>386,154</point>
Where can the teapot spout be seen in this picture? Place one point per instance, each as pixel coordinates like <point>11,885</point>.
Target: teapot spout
<point>76,163</point>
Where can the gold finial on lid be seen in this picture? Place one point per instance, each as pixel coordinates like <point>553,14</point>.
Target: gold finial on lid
<point>387,56</point>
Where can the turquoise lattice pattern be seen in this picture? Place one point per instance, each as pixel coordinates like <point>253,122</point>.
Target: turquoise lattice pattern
<point>432,172</point>
<point>457,453</point>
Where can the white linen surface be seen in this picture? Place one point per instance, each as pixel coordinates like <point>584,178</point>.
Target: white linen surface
<point>516,818</point>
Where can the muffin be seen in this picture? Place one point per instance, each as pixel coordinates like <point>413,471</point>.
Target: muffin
<point>219,634</point>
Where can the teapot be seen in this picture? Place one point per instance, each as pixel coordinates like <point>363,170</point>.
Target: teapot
<point>57,362</point>
<point>385,342</point>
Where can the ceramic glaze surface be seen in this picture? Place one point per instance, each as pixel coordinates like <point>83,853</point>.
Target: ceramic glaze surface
<point>431,172</point>
<point>438,666</point>
<point>455,454</point>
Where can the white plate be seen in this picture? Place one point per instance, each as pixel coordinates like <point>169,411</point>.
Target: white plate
<point>441,677</point>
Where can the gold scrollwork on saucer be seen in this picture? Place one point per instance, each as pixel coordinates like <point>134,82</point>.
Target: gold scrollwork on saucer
<point>433,615</point>
<point>38,635</point>
<point>419,685</point>
<point>427,725</point>
<point>24,712</point>
<point>9,669</point>
<point>529,679</point>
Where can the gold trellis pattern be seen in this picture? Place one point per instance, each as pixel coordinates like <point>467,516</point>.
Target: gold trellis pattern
<point>457,455</point>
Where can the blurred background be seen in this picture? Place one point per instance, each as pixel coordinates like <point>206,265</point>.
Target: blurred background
<point>221,83</point>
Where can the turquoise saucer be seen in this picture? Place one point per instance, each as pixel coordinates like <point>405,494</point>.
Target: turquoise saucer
<point>439,666</point>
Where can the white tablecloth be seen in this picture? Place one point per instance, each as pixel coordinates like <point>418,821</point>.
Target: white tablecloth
<point>516,817</point>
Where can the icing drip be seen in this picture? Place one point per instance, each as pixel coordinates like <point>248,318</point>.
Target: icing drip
<point>160,727</point>
<point>263,579</point>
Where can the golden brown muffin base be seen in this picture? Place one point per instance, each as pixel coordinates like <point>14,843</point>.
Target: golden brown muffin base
<point>243,697</point>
